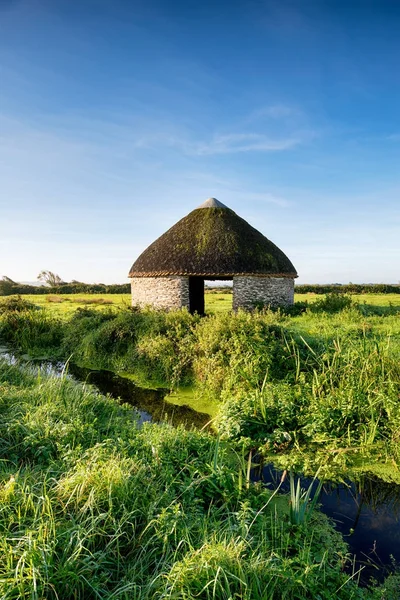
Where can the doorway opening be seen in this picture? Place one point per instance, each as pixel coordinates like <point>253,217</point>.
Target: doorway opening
<point>196,295</point>
<point>218,296</point>
<point>210,296</point>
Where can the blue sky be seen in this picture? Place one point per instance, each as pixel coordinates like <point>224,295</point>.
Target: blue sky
<point>119,117</point>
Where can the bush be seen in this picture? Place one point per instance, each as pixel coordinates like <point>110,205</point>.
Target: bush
<point>16,304</point>
<point>9,288</point>
<point>32,331</point>
<point>332,303</point>
<point>267,416</point>
<point>240,349</point>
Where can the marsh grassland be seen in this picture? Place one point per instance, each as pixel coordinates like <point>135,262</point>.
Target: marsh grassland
<point>94,506</point>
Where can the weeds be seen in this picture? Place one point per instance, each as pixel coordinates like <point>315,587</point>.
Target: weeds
<point>93,506</point>
<point>322,380</point>
<point>301,505</point>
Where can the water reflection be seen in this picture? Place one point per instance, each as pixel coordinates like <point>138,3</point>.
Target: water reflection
<point>149,403</point>
<point>366,512</point>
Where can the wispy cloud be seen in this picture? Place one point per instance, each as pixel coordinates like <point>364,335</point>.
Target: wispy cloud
<point>275,111</point>
<point>394,137</point>
<point>272,128</point>
<point>229,143</point>
<point>246,142</point>
<point>274,139</point>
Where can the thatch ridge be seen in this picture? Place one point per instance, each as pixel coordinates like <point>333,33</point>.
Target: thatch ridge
<point>212,242</point>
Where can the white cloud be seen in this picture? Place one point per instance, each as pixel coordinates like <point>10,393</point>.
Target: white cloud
<point>246,142</point>
<point>275,111</point>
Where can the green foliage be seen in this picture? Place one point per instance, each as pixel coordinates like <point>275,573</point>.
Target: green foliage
<point>30,330</point>
<point>341,405</point>
<point>238,350</point>
<point>332,303</point>
<point>301,505</point>
<point>349,288</point>
<point>314,383</point>
<point>265,416</point>
<point>9,287</point>
<point>15,304</point>
<point>94,507</point>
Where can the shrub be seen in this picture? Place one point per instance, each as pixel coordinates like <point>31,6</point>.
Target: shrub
<point>33,332</point>
<point>240,349</point>
<point>267,416</point>
<point>332,303</point>
<point>16,304</point>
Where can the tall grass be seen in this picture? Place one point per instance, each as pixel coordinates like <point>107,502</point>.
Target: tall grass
<point>339,406</point>
<point>92,506</point>
<point>325,382</point>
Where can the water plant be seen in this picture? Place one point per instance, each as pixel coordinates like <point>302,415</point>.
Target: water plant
<point>301,504</point>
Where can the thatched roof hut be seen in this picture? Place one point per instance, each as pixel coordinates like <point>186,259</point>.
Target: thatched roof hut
<point>211,242</point>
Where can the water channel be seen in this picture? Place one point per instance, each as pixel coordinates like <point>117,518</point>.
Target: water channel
<point>366,512</point>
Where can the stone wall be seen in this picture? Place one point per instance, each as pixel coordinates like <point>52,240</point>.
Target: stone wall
<point>160,292</point>
<point>275,291</point>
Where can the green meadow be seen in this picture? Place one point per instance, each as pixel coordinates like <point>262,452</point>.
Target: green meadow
<point>216,302</point>
<point>324,372</point>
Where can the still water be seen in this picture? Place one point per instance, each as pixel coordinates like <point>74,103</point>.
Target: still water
<point>367,514</point>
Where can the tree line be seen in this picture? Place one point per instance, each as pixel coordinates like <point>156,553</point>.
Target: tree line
<point>348,288</point>
<point>53,284</point>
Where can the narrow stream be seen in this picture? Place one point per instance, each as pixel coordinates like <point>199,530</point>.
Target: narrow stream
<point>367,513</point>
<point>150,404</point>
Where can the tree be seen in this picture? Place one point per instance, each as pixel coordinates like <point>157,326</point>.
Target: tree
<point>50,278</point>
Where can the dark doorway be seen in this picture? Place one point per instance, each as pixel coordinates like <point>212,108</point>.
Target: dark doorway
<point>196,295</point>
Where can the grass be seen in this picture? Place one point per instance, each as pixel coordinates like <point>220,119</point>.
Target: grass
<point>317,388</point>
<point>222,302</point>
<point>218,303</point>
<point>372,299</point>
<point>64,305</point>
<point>94,507</point>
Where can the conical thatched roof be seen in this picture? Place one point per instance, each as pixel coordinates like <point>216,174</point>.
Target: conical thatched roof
<point>212,241</point>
